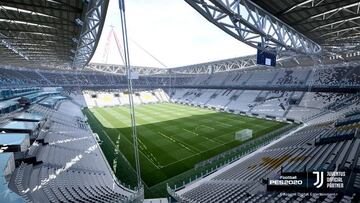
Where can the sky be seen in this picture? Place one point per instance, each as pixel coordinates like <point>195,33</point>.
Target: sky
<point>172,32</point>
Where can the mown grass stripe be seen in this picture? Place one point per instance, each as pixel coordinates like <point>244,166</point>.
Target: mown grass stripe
<point>173,138</point>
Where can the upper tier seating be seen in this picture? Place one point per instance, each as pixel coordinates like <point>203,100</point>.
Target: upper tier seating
<point>311,76</point>
<point>116,97</point>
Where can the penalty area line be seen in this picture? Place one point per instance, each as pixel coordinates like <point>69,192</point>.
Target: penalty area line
<point>190,132</point>
<point>224,124</point>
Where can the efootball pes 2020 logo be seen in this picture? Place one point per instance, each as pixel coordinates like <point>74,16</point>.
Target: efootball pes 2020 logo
<point>311,181</point>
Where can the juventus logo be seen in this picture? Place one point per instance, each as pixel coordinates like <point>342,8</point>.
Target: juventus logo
<point>319,179</point>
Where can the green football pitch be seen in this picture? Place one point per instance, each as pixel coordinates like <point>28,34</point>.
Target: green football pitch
<point>172,137</point>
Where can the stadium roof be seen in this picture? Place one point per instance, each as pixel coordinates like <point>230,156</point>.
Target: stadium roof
<point>65,33</point>
<point>231,64</point>
<point>334,24</point>
<point>298,26</point>
<point>312,27</point>
<point>50,33</point>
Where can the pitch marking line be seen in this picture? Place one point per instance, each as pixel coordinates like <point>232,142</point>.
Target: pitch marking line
<point>211,140</point>
<point>103,120</point>
<point>130,143</point>
<point>190,132</point>
<point>149,159</point>
<point>236,120</point>
<point>146,152</point>
<point>196,154</point>
<point>178,142</point>
<point>205,126</point>
<point>188,157</point>
<point>119,150</point>
<point>224,124</point>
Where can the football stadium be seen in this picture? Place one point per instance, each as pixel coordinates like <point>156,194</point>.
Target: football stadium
<point>264,108</point>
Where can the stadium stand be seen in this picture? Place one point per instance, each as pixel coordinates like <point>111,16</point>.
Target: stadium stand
<point>48,153</point>
<point>319,147</point>
<point>233,93</point>
<point>293,105</point>
<point>117,98</point>
<point>7,163</point>
<point>304,112</point>
<point>335,75</point>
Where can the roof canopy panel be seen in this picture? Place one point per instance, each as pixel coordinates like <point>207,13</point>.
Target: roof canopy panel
<point>334,24</point>
<point>35,33</point>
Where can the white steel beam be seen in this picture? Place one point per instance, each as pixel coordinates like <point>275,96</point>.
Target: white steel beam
<point>252,25</point>
<point>90,33</point>
<point>121,70</point>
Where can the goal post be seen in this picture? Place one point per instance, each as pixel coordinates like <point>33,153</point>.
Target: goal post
<point>243,135</point>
